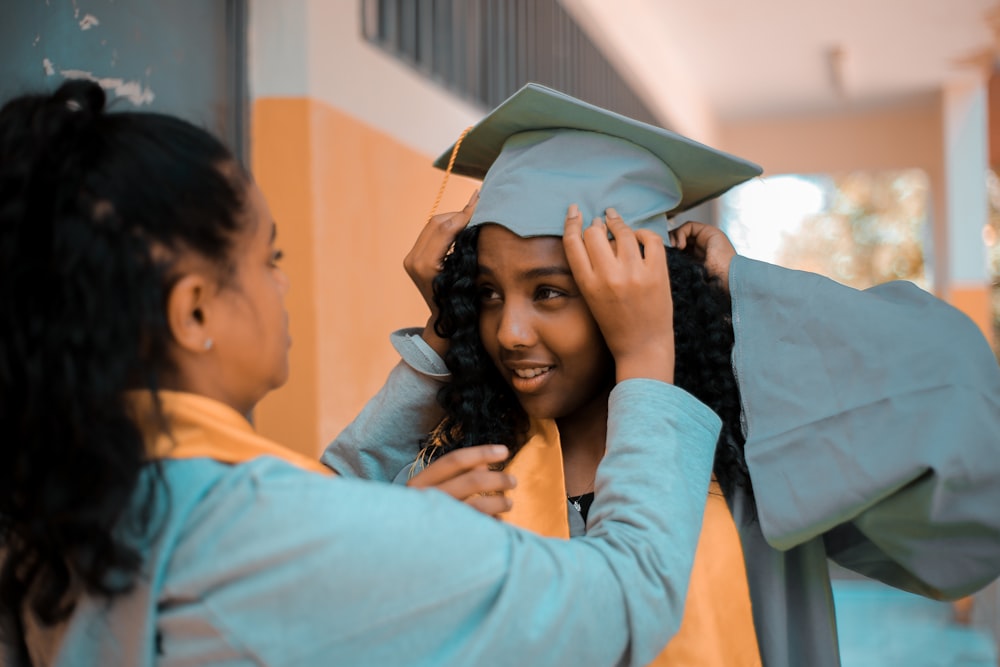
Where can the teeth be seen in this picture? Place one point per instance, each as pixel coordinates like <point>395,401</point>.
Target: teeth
<point>531,372</point>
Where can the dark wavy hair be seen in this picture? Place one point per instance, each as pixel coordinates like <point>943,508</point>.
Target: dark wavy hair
<point>480,407</point>
<point>95,208</point>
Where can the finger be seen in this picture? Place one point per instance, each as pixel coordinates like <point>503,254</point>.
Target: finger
<point>491,505</point>
<point>600,249</point>
<point>477,482</point>
<point>653,249</point>
<point>680,236</point>
<point>677,239</point>
<point>627,247</point>
<point>473,200</point>
<point>458,462</point>
<point>433,241</point>
<point>574,246</point>
<point>690,235</point>
<point>449,224</point>
<point>463,215</point>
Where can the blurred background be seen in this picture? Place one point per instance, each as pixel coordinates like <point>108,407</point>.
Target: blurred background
<point>877,123</point>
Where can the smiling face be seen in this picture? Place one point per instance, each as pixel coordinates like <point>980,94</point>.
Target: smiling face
<point>536,327</point>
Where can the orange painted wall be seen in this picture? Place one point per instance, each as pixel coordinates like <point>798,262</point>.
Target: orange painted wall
<point>280,144</point>
<point>349,202</point>
<point>891,138</point>
<point>977,303</point>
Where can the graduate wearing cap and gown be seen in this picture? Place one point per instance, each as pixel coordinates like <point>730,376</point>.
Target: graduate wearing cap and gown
<point>872,418</point>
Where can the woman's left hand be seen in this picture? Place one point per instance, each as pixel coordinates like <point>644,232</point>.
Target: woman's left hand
<point>627,287</point>
<point>707,244</point>
<point>426,258</point>
<point>465,474</point>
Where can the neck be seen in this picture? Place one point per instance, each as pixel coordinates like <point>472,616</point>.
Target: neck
<point>583,437</point>
<point>204,381</point>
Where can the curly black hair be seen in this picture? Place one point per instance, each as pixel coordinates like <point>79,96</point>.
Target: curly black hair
<point>94,209</point>
<point>480,407</point>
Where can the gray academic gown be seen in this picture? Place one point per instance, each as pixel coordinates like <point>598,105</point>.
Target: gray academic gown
<point>873,439</point>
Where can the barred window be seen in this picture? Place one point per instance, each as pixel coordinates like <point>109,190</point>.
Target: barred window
<point>484,50</point>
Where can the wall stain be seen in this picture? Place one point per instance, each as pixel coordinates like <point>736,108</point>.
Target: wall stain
<point>88,22</point>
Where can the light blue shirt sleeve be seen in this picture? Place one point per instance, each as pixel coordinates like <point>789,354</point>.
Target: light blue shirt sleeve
<point>385,437</point>
<point>293,568</point>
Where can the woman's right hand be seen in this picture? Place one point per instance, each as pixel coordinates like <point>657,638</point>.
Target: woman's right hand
<point>426,259</point>
<point>626,284</point>
<point>466,475</point>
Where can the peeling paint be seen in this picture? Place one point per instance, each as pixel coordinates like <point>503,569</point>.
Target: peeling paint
<point>48,67</point>
<point>88,22</point>
<point>133,91</point>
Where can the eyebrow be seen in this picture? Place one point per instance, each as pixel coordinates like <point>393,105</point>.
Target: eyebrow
<point>274,230</point>
<point>537,272</point>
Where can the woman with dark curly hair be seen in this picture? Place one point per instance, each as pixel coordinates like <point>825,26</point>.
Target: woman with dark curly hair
<point>858,426</point>
<point>480,406</point>
<point>143,521</point>
<point>525,348</point>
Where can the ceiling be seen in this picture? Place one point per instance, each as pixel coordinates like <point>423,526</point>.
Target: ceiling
<point>732,60</point>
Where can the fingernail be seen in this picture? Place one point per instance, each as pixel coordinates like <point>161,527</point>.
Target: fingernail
<point>512,480</point>
<point>611,212</point>
<point>499,450</point>
<point>574,210</point>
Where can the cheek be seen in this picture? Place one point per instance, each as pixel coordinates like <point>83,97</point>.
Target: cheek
<point>272,294</point>
<point>488,334</point>
<point>588,350</point>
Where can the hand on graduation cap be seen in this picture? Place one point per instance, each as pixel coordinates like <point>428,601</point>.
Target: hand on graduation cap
<point>465,474</point>
<point>426,258</point>
<point>708,244</point>
<point>627,288</point>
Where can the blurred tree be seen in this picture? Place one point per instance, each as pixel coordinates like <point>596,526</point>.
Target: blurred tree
<point>870,232</point>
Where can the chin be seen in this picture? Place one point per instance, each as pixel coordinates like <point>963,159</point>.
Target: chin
<point>540,410</point>
<point>281,381</point>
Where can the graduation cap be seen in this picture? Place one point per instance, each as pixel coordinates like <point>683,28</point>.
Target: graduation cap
<point>542,150</point>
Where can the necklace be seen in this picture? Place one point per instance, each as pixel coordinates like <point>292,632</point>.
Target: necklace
<point>577,501</point>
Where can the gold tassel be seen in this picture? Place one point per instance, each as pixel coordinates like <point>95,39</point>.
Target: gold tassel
<point>447,172</point>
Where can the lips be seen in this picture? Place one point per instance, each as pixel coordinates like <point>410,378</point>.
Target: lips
<point>528,379</point>
<point>528,373</point>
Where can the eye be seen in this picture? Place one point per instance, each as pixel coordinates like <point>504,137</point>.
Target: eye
<point>276,256</point>
<point>487,294</point>
<point>548,293</point>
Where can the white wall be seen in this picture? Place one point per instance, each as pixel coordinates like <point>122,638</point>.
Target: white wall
<point>315,48</point>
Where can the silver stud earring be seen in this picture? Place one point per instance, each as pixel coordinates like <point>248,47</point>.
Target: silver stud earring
<point>208,343</point>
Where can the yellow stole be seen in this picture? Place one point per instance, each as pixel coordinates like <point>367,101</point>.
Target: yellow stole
<point>717,627</point>
<point>202,427</point>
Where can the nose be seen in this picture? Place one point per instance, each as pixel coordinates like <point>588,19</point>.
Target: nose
<point>516,328</point>
<point>284,284</point>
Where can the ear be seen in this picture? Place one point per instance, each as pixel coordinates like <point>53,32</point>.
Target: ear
<point>187,312</point>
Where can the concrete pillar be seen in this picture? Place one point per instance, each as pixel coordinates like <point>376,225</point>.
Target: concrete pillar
<point>961,271</point>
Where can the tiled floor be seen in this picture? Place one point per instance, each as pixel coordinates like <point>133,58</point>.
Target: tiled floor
<point>883,627</point>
